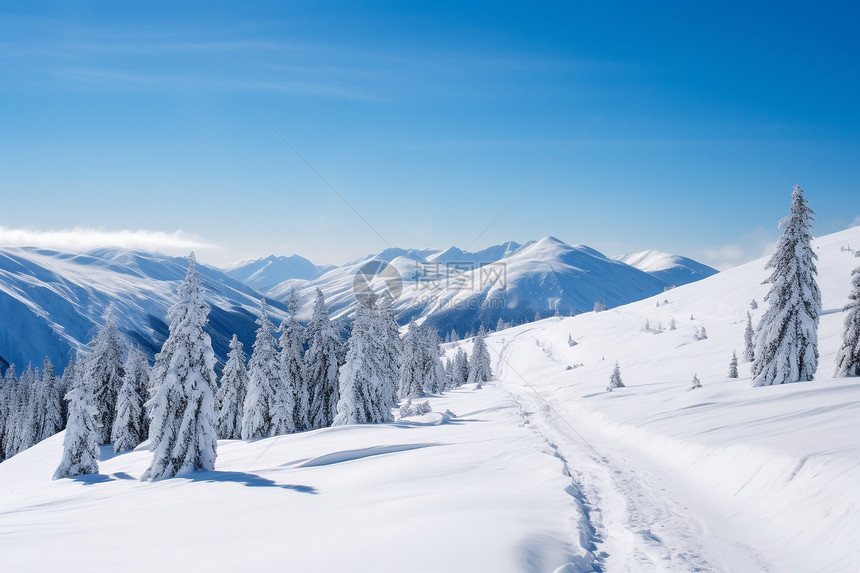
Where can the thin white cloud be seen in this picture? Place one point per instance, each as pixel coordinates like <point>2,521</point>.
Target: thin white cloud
<point>80,239</point>
<point>734,254</point>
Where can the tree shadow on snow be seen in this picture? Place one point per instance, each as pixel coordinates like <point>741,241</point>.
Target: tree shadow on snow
<point>246,479</point>
<point>91,479</point>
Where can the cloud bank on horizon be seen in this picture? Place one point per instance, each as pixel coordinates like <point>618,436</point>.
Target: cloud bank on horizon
<point>81,239</point>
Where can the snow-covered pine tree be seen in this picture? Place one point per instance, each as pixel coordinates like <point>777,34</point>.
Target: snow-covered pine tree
<point>51,414</point>
<point>479,363</point>
<point>322,360</point>
<point>599,306</point>
<point>433,372</point>
<point>103,371</point>
<point>386,344</point>
<point>80,444</point>
<point>753,304</point>
<point>66,383</point>
<point>461,367</point>
<point>128,432</point>
<point>9,403</point>
<point>137,374</point>
<point>695,383</point>
<point>786,348</point>
<point>292,358</point>
<point>8,398</point>
<point>231,394</point>
<point>28,418</point>
<point>454,336</point>
<point>500,325</point>
<point>749,347</point>
<point>615,379</point>
<point>449,373</point>
<point>570,340</point>
<point>365,395</point>
<point>182,430</point>
<point>848,355</point>
<point>411,367</point>
<point>733,365</point>
<point>270,401</point>
<point>672,325</point>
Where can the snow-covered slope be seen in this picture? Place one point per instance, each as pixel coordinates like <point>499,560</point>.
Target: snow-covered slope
<point>672,269</point>
<point>723,477</point>
<point>455,289</point>
<point>478,493</point>
<point>263,274</point>
<point>51,301</point>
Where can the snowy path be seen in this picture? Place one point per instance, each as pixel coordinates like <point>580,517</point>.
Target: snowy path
<point>645,518</point>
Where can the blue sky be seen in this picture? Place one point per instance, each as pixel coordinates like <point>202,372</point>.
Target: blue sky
<point>141,125</point>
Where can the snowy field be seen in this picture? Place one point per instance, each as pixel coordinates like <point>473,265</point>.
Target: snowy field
<point>478,493</point>
<point>539,471</point>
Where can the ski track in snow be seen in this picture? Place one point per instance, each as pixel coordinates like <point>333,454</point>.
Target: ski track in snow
<point>635,521</point>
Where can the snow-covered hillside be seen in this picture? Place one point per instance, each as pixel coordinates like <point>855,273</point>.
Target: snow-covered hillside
<point>478,492</point>
<point>725,476</point>
<point>455,289</point>
<point>51,301</point>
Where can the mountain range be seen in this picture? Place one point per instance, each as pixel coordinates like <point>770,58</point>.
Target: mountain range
<point>51,301</point>
<point>456,289</point>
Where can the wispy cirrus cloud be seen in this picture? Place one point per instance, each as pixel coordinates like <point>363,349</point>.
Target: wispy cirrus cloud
<point>80,238</point>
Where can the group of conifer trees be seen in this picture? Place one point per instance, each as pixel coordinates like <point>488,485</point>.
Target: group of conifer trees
<point>298,377</point>
<point>784,347</point>
<point>31,407</point>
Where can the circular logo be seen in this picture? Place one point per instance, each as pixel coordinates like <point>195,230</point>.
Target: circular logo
<point>376,273</point>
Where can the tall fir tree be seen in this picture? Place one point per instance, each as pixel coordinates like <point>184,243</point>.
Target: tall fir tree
<point>291,357</point>
<point>182,430</point>
<point>66,383</point>
<point>385,344</point>
<point>786,348</point>
<point>322,360</point>
<point>269,404</point>
<point>28,421</point>
<point>128,431</point>
<point>479,362</point>
<point>80,444</point>
<point>411,364</point>
<point>749,345</point>
<point>51,418</point>
<point>231,394</point>
<point>8,400</point>
<point>461,367</point>
<point>137,373</point>
<point>848,355</point>
<point>103,371</point>
<point>365,381</point>
<point>433,371</point>
<point>449,373</point>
